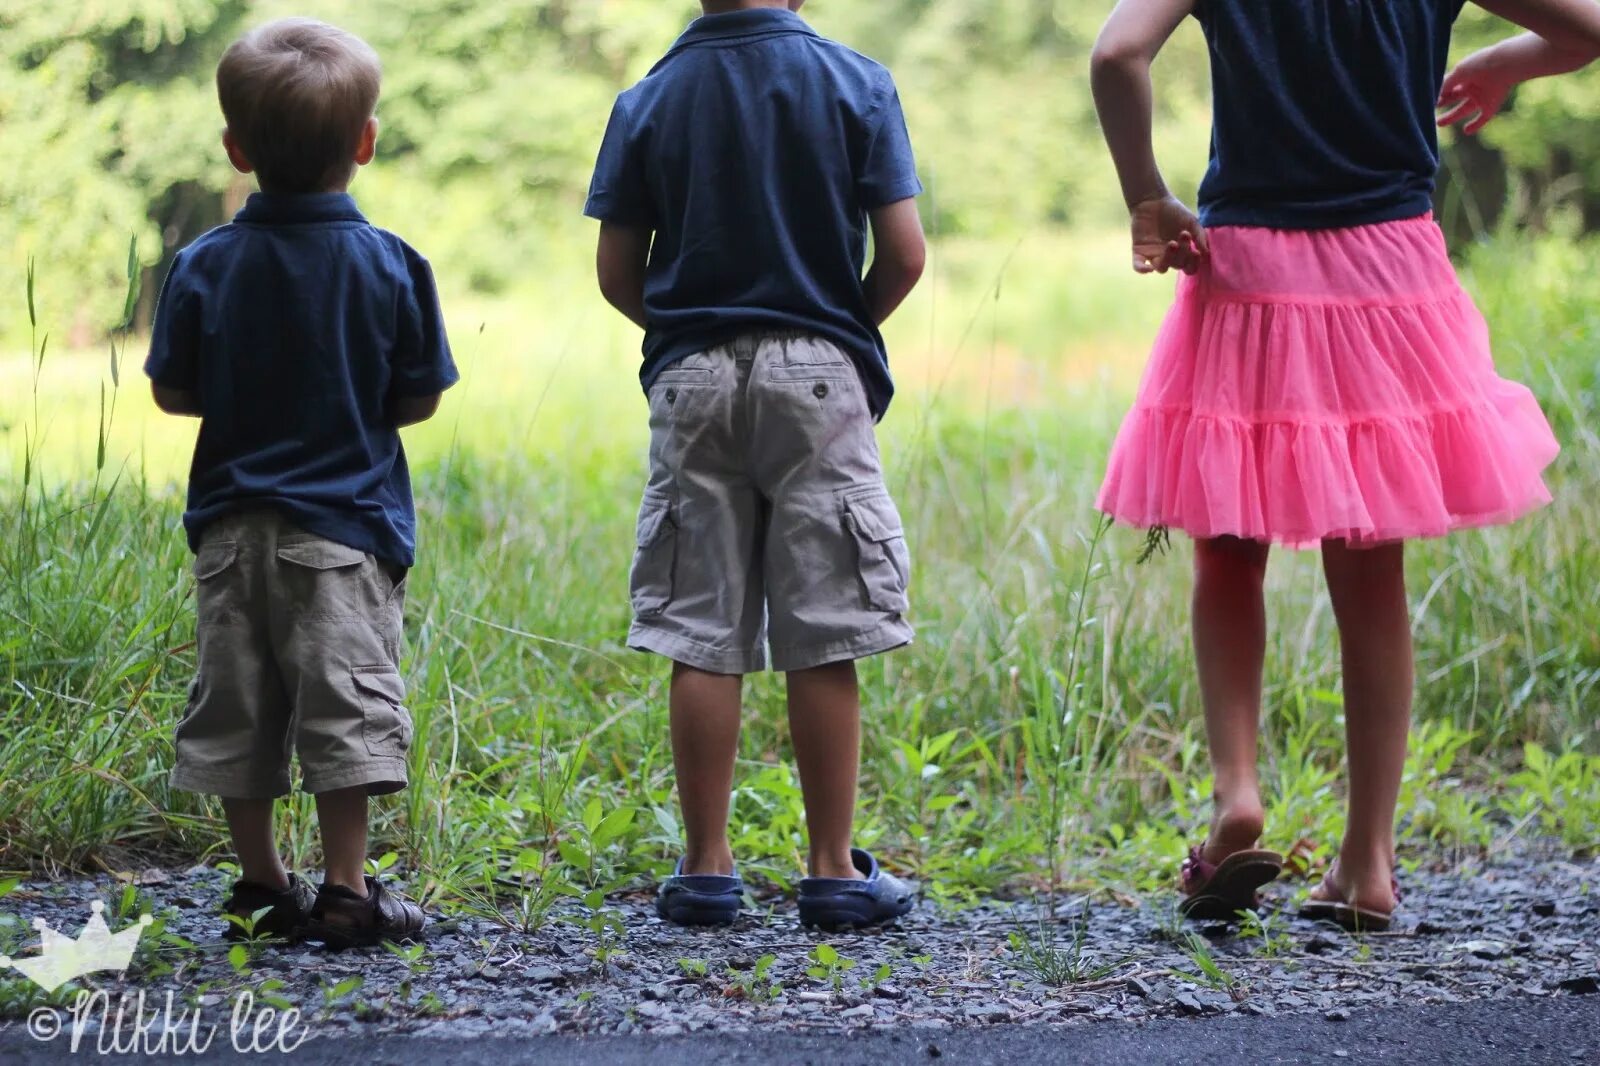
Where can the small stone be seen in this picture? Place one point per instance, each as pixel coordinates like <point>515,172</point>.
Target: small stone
<point>1137,986</point>
<point>863,1011</point>
<point>988,1012</point>
<point>1340,1053</point>
<point>1545,908</point>
<point>1338,1014</point>
<point>543,975</point>
<point>1427,928</point>
<point>1587,985</point>
<point>1190,1004</point>
<point>657,992</point>
<point>1487,949</point>
<point>934,1051</point>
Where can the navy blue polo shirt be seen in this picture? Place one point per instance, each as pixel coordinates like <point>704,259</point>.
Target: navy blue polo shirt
<point>754,151</point>
<point>296,326</point>
<point>1324,110</point>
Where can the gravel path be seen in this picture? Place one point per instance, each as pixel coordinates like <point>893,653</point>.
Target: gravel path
<point>1527,926</point>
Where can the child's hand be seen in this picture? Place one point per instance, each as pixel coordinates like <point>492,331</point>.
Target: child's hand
<point>1475,92</point>
<point>1167,236</point>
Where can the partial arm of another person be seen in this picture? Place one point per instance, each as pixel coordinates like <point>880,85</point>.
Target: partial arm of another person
<point>176,401</point>
<point>620,263</point>
<point>1565,37</point>
<point>410,410</point>
<point>1166,234</point>
<point>900,254</point>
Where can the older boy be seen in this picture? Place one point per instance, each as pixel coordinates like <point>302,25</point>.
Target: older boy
<point>735,187</point>
<point>303,338</point>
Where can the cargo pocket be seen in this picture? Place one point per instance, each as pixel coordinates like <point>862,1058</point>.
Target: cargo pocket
<point>386,724</point>
<point>651,582</point>
<point>216,598</point>
<point>882,557</point>
<point>321,579</point>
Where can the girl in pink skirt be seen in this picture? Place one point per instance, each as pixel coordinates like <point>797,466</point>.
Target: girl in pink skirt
<point>1322,380</point>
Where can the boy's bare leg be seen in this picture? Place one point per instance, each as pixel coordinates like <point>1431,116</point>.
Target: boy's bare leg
<point>1368,588</point>
<point>255,841</point>
<point>1230,644</point>
<point>705,744</point>
<point>825,723</point>
<point>342,816</point>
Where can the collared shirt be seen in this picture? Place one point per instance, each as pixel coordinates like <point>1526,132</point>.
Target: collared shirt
<point>1324,110</point>
<point>755,150</point>
<point>296,327</point>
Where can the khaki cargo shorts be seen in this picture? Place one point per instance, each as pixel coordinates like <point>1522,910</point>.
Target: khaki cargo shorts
<point>766,519</point>
<point>299,651</point>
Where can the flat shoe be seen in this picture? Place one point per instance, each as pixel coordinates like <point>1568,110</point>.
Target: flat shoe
<point>699,899</point>
<point>1218,892</point>
<point>834,903</point>
<point>1332,907</point>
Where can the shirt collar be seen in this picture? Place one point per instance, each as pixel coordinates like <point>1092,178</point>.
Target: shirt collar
<point>280,208</point>
<point>751,22</point>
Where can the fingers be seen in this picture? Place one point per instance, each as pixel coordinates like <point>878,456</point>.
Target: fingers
<point>1463,108</point>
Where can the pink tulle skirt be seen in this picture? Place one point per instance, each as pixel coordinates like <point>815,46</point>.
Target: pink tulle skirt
<point>1323,385</point>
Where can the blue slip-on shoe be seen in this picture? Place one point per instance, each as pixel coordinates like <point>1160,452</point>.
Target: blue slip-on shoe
<point>843,903</point>
<point>699,899</point>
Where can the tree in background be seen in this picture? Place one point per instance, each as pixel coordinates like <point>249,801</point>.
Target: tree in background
<point>110,127</point>
<point>492,112</point>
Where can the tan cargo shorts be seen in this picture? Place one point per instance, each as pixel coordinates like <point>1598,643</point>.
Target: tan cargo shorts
<point>299,651</point>
<point>766,518</point>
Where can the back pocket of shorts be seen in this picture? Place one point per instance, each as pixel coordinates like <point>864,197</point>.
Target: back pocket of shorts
<point>655,557</point>
<point>323,578</point>
<point>217,595</point>
<point>882,556</point>
<point>386,724</point>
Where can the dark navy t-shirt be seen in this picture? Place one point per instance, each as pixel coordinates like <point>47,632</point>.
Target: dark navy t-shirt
<point>296,326</point>
<point>1324,110</point>
<point>754,150</point>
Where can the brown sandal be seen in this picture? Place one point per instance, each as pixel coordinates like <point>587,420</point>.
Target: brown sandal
<point>1218,892</point>
<point>342,919</point>
<point>1333,907</point>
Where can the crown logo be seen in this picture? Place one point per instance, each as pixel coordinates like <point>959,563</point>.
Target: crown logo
<point>96,950</point>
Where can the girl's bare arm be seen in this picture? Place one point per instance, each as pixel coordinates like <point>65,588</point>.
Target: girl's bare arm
<point>1166,234</point>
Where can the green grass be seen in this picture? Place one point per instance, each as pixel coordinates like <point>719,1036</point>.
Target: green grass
<point>1043,728</point>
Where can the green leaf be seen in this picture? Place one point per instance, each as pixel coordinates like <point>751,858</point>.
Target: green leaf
<point>592,814</point>
<point>239,957</point>
<point>613,825</point>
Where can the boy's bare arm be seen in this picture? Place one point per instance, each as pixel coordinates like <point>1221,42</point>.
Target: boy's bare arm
<point>1475,91</point>
<point>620,262</point>
<point>409,410</point>
<point>176,401</point>
<point>900,254</point>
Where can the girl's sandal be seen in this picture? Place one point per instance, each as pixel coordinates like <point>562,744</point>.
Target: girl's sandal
<point>1218,892</point>
<point>1331,906</point>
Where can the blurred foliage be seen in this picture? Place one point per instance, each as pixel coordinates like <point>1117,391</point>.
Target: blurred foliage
<point>492,111</point>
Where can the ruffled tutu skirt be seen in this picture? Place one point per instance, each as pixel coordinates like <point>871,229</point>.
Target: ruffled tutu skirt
<point>1316,385</point>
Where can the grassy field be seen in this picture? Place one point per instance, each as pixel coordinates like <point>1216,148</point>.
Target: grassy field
<point>1044,729</point>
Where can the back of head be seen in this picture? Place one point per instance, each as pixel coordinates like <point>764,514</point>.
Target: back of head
<point>297,95</point>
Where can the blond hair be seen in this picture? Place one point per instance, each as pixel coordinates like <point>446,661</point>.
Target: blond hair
<point>297,94</point>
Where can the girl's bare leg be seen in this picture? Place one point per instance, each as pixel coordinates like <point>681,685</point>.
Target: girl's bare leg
<point>1368,588</point>
<point>1230,643</point>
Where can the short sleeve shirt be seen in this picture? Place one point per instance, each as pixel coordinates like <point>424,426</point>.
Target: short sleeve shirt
<point>1324,110</point>
<point>296,327</point>
<point>754,150</point>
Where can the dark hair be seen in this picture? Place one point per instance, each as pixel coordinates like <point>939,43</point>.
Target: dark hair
<point>297,94</point>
